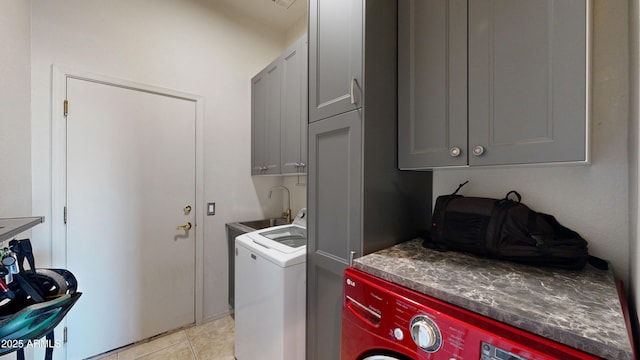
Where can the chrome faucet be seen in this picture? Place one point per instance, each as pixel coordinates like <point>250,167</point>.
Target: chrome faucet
<point>287,213</point>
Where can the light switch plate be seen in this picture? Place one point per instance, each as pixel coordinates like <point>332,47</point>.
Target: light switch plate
<point>211,208</point>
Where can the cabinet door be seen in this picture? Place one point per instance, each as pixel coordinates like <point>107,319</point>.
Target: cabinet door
<point>265,120</point>
<point>333,225</point>
<point>335,57</point>
<point>272,120</point>
<point>527,81</point>
<point>258,116</point>
<point>304,90</point>
<point>432,83</point>
<point>294,113</point>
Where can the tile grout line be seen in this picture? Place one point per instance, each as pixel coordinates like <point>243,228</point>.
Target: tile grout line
<point>193,351</point>
<point>165,348</point>
<point>192,345</point>
<point>149,341</point>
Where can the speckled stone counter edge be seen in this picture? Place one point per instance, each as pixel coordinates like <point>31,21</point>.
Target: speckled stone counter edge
<point>409,264</point>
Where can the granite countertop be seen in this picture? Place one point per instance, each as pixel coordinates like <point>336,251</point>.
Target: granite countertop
<point>580,309</point>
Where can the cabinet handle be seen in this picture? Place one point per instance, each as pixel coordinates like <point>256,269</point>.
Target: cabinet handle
<point>303,165</point>
<point>478,150</point>
<point>351,90</point>
<point>455,151</point>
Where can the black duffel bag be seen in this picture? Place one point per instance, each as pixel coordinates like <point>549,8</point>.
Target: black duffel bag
<point>505,229</point>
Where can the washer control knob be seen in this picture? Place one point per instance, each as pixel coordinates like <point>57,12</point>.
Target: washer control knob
<point>397,332</point>
<point>425,333</point>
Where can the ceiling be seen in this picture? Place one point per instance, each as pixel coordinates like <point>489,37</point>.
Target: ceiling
<point>267,12</point>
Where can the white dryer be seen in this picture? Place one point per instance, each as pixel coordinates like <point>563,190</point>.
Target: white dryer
<point>270,285</point>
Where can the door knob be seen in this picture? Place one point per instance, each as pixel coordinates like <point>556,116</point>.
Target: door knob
<point>184,227</point>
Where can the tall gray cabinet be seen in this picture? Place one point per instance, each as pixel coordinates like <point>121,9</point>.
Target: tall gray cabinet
<point>358,200</point>
<point>493,82</point>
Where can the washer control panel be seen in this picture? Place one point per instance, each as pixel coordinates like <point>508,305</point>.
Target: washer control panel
<point>490,352</point>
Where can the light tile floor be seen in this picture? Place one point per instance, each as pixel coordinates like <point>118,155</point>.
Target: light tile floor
<point>212,340</point>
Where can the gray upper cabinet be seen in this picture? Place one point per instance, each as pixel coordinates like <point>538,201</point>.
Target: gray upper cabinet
<point>265,120</point>
<point>279,114</point>
<point>526,97</point>
<point>335,57</point>
<point>293,138</point>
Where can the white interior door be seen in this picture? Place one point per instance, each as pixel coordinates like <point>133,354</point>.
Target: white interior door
<point>130,174</point>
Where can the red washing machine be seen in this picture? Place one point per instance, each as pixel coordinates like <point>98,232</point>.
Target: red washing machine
<point>384,321</point>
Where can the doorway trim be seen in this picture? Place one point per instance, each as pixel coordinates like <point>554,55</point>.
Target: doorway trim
<point>59,165</point>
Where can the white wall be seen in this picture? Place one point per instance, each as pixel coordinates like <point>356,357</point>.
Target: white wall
<point>297,185</point>
<point>297,30</point>
<point>15,112</point>
<point>196,46</point>
<point>592,200</point>
<point>634,152</point>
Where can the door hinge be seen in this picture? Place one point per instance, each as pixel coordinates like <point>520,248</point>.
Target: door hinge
<point>66,107</point>
<point>64,335</point>
<point>65,214</point>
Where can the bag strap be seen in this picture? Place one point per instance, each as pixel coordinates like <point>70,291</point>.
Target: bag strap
<point>460,187</point>
<point>532,227</point>
<point>506,197</point>
<point>48,355</point>
<point>598,263</point>
<point>26,285</point>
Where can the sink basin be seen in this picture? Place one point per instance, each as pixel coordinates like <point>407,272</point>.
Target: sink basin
<point>264,223</point>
